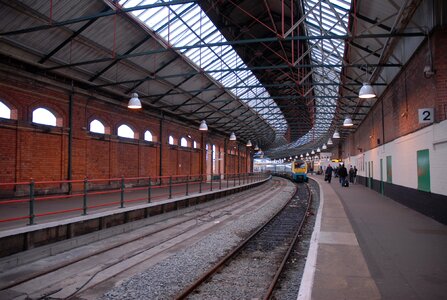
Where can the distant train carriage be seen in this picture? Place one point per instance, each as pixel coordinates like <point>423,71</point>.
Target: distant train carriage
<point>296,170</point>
<point>299,171</point>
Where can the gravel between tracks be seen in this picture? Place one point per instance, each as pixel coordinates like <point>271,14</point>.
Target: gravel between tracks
<point>167,278</point>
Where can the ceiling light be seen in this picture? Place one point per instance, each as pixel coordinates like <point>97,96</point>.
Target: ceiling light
<point>348,122</point>
<point>318,149</point>
<point>134,102</point>
<point>249,144</point>
<point>301,156</point>
<point>324,147</point>
<point>307,153</point>
<point>256,148</point>
<point>203,126</point>
<point>367,91</point>
<point>329,141</point>
<point>336,135</point>
<point>312,152</point>
<point>232,137</point>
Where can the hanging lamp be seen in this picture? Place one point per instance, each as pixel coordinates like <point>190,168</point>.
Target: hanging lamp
<point>134,102</point>
<point>348,122</point>
<point>367,91</point>
<point>232,137</point>
<point>203,126</point>
<point>336,135</point>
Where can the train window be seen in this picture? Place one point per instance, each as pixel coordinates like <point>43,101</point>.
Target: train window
<point>183,142</point>
<point>300,164</point>
<point>171,140</point>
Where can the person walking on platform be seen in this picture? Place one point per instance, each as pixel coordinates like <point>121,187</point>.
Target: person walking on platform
<point>328,173</point>
<point>355,175</point>
<point>343,173</point>
<point>351,175</point>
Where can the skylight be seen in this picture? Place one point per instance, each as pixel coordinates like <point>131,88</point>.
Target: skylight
<point>187,24</point>
<point>328,17</point>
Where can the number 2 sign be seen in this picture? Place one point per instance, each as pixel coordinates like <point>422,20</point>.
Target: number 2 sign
<point>426,115</point>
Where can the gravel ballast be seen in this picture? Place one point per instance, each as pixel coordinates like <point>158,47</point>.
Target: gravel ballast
<point>170,276</point>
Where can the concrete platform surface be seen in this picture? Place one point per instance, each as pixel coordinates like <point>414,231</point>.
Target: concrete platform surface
<point>367,246</point>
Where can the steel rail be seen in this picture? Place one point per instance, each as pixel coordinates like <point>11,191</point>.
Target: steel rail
<point>186,292</point>
<point>291,247</point>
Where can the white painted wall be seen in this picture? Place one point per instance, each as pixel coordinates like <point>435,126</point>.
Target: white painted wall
<point>404,158</point>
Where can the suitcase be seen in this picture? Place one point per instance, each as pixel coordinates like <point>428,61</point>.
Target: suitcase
<point>346,183</point>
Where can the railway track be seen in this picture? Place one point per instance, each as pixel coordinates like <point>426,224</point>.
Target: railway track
<point>252,270</point>
<point>66,276</point>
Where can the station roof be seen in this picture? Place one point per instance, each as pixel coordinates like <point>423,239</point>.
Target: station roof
<point>281,73</point>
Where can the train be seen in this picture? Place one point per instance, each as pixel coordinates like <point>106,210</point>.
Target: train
<point>295,170</point>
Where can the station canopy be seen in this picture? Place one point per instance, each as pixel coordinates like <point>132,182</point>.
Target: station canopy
<point>281,73</point>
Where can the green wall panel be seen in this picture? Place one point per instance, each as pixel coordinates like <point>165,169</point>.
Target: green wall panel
<point>423,163</point>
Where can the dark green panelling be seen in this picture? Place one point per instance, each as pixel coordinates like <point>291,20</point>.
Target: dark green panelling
<point>423,163</point>
<point>389,170</point>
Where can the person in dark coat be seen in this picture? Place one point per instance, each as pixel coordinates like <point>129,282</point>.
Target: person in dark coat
<point>343,173</point>
<point>351,175</point>
<point>328,173</point>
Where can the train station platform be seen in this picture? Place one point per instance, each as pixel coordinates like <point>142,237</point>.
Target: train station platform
<point>60,217</point>
<point>367,246</point>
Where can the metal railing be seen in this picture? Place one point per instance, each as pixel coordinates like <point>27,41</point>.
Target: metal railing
<point>45,199</point>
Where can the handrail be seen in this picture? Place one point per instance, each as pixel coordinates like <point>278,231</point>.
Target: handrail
<point>34,201</point>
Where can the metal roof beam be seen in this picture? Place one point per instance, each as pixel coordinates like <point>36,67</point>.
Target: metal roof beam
<point>95,16</point>
<point>239,42</point>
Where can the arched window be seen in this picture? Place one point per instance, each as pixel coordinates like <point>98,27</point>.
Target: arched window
<point>44,116</point>
<point>126,131</point>
<point>97,126</point>
<point>148,136</point>
<point>5,112</point>
<point>194,144</point>
<point>183,142</point>
<point>171,140</point>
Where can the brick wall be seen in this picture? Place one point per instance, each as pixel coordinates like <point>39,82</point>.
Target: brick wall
<point>408,92</point>
<point>40,152</point>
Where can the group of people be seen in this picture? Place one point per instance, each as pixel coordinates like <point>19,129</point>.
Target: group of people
<point>342,173</point>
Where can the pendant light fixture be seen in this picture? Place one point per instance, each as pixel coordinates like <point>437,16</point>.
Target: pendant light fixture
<point>249,144</point>
<point>256,148</point>
<point>312,152</point>
<point>203,126</point>
<point>336,135</point>
<point>318,150</point>
<point>307,153</point>
<point>329,141</point>
<point>348,122</point>
<point>134,102</point>
<point>232,137</point>
<point>366,91</point>
<point>324,147</point>
<point>301,156</point>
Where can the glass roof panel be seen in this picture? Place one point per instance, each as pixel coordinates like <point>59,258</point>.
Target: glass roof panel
<point>187,24</point>
<point>329,17</point>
